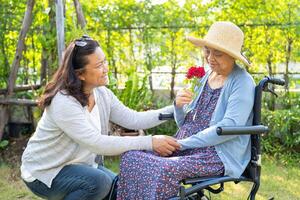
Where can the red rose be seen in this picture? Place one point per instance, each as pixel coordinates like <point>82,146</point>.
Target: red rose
<point>195,72</point>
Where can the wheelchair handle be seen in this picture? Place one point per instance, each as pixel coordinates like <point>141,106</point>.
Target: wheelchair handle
<point>242,130</point>
<point>276,81</point>
<point>165,116</point>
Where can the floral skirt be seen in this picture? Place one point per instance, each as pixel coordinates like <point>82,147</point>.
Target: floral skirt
<point>146,175</point>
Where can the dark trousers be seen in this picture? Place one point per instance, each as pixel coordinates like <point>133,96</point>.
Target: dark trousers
<point>76,182</point>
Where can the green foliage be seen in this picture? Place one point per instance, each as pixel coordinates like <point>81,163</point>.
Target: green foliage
<point>287,100</point>
<point>167,128</point>
<point>284,132</point>
<point>140,37</point>
<point>3,144</point>
<point>149,34</point>
<point>135,95</point>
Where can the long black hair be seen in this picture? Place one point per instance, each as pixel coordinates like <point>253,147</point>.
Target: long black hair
<point>66,77</point>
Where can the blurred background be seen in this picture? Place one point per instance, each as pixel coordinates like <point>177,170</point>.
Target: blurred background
<point>144,41</point>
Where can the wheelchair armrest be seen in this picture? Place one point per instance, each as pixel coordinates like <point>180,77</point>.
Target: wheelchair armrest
<point>165,116</point>
<point>242,130</point>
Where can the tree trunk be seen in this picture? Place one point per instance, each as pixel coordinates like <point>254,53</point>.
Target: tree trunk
<point>79,13</point>
<point>51,53</point>
<point>110,53</point>
<point>150,78</point>
<point>60,29</point>
<point>44,67</point>
<point>148,59</point>
<point>4,111</point>
<point>18,56</point>
<point>287,61</point>
<point>5,59</point>
<point>173,73</point>
<point>131,45</point>
<point>173,64</point>
<point>272,98</point>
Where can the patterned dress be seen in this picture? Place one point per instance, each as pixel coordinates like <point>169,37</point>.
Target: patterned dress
<point>146,175</point>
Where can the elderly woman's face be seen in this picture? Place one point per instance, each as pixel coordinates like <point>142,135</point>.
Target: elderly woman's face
<point>219,62</point>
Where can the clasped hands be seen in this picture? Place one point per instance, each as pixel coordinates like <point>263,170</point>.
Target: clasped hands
<point>164,145</point>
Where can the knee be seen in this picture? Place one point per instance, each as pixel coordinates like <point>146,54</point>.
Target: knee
<point>101,185</point>
<point>128,154</point>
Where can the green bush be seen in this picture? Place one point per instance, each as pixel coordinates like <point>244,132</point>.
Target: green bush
<point>3,144</point>
<point>284,132</point>
<point>167,128</point>
<point>283,101</point>
<point>135,95</point>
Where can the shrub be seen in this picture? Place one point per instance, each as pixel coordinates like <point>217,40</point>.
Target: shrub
<point>284,132</point>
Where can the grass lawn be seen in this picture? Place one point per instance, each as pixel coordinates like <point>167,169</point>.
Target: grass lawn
<point>11,186</point>
<point>278,181</point>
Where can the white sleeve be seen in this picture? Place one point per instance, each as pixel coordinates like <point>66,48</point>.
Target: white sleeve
<point>69,116</point>
<point>131,119</point>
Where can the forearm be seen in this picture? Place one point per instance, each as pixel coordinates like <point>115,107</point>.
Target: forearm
<point>178,115</point>
<point>115,145</point>
<point>139,120</point>
<point>207,137</point>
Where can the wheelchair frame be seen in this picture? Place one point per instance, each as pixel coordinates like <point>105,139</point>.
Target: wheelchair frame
<point>252,171</point>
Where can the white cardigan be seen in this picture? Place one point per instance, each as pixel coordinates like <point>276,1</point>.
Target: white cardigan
<point>64,135</point>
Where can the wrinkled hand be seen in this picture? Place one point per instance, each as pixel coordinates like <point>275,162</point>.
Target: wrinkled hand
<point>164,145</point>
<point>183,97</point>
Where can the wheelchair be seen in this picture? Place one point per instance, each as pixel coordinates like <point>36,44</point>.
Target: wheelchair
<point>252,171</point>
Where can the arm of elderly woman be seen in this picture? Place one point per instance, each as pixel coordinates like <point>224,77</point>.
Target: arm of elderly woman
<point>238,111</point>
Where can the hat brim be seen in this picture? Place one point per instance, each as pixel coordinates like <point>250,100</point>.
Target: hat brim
<point>202,42</point>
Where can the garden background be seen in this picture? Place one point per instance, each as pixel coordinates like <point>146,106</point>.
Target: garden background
<point>148,56</point>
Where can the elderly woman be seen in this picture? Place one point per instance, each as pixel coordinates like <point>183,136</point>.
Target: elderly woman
<point>225,98</point>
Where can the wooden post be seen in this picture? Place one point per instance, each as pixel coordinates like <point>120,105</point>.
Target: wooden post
<point>18,56</point>
<point>60,29</point>
<point>173,64</point>
<point>79,13</point>
<point>4,109</point>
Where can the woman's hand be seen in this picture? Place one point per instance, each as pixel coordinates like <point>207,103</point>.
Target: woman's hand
<point>183,97</point>
<point>164,145</point>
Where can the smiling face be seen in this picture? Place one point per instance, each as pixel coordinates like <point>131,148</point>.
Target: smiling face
<point>95,73</point>
<point>219,62</point>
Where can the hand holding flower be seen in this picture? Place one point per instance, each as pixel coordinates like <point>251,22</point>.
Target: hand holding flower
<point>192,77</point>
<point>183,97</point>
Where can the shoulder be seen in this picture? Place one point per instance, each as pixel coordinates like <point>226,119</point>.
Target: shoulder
<point>62,96</point>
<point>62,101</point>
<point>241,76</point>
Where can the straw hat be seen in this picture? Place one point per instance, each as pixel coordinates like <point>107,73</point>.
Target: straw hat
<point>225,37</point>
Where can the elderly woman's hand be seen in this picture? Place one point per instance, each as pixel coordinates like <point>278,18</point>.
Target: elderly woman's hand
<point>183,97</point>
<point>164,145</point>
